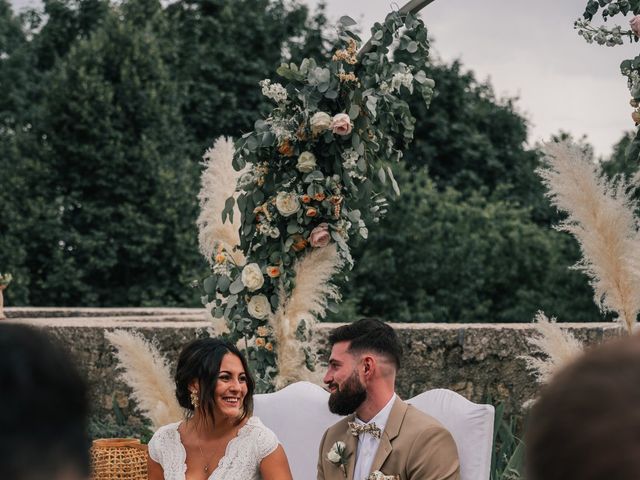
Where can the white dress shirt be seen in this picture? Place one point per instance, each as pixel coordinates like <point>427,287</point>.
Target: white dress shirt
<point>367,444</point>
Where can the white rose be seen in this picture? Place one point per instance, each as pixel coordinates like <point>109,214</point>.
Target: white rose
<point>306,162</point>
<point>259,307</point>
<point>320,122</point>
<point>252,277</point>
<point>333,456</point>
<point>287,203</point>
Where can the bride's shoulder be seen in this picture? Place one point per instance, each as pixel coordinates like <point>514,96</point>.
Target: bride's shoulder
<point>168,430</point>
<point>262,436</point>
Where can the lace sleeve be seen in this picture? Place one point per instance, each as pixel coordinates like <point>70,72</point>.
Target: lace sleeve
<point>155,452</point>
<point>268,442</point>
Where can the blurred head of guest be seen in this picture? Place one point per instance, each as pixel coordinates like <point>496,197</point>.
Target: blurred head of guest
<point>586,422</point>
<point>43,409</point>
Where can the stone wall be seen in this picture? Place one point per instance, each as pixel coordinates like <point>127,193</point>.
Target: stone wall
<point>479,361</point>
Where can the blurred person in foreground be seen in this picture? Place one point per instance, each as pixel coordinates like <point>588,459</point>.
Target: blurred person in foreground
<point>586,423</point>
<point>43,409</point>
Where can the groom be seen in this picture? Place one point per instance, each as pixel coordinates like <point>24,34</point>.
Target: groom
<point>381,433</point>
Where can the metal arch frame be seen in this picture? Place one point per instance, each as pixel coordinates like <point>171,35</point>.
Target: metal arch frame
<point>413,7</point>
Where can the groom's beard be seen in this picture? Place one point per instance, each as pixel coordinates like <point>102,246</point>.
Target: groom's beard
<point>346,399</point>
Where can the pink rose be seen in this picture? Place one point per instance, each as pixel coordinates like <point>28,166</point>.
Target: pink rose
<point>341,124</point>
<point>635,25</point>
<point>320,236</point>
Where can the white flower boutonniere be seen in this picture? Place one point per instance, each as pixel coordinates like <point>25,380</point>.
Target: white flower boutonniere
<point>338,456</point>
<point>378,475</point>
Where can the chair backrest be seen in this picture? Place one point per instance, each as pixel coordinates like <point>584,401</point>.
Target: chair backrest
<point>299,416</point>
<point>470,424</point>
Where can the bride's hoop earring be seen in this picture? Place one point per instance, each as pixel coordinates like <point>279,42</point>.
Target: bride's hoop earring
<point>195,399</point>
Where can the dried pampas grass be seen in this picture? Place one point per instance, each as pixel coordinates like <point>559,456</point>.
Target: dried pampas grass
<point>600,216</point>
<point>218,184</point>
<point>148,375</point>
<point>308,302</point>
<point>558,346</point>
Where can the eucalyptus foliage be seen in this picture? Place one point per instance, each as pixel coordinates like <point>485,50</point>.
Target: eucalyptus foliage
<point>612,36</point>
<point>318,167</point>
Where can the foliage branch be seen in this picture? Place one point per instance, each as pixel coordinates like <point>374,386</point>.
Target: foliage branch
<point>612,36</point>
<point>316,174</point>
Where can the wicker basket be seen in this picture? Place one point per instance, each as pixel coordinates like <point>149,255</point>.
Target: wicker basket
<point>118,459</point>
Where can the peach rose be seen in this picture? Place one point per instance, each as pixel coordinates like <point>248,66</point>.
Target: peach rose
<point>299,243</point>
<point>305,198</point>
<point>319,196</point>
<point>269,346</point>
<point>273,271</point>
<point>311,212</point>
<point>320,236</point>
<point>634,23</point>
<point>636,117</point>
<point>341,124</point>
<point>286,149</point>
<point>260,342</point>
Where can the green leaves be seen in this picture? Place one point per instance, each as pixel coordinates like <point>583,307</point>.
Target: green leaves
<point>227,212</point>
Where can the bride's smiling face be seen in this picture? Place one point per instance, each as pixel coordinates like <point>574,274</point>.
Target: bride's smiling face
<point>231,387</point>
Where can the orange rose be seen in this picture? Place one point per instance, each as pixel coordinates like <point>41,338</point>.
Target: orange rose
<point>311,212</point>
<point>319,196</point>
<point>299,243</point>
<point>305,198</point>
<point>286,149</point>
<point>273,271</point>
<point>269,347</point>
<point>220,258</point>
<point>260,342</point>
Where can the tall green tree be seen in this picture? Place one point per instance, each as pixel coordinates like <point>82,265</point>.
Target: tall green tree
<point>115,138</point>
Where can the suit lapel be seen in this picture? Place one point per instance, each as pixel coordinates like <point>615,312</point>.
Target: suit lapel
<point>351,445</point>
<point>391,431</point>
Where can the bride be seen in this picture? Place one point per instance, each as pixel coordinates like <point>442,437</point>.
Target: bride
<point>219,439</point>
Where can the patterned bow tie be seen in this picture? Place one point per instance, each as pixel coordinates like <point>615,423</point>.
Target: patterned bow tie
<point>370,428</point>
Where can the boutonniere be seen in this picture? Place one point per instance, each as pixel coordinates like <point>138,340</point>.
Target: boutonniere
<point>338,456</point>
<point>378,475</point>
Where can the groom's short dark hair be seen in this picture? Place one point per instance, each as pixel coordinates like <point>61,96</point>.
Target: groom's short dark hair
<point>369,334</point>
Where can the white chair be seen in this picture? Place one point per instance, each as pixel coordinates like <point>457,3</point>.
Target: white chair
<point>299,416</point>
<point>470,424</point>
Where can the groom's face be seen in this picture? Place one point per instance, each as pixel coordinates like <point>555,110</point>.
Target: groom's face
<point>343,381</point>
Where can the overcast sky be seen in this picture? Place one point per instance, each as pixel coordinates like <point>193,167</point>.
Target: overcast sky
<point>527,49</point>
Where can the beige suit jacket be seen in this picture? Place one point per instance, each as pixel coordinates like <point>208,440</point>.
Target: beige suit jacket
<point>414,446</point>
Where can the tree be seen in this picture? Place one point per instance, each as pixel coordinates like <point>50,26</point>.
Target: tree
<point>115,140</point>
<point>441,256</point>
<point>223,49</point>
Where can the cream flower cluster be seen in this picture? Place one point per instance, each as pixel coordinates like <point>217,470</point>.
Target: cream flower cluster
<point>273,91</point>
<point>402,79</point>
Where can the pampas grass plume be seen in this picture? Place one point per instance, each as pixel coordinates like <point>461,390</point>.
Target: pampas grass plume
<point>308,302</point>
<point>600,216</point>
<point>558,346</point>
<point>218,183</point>
<point>147,373</point>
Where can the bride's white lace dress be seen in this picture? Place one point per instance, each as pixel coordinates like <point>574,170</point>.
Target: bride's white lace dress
<point>241,460</point>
